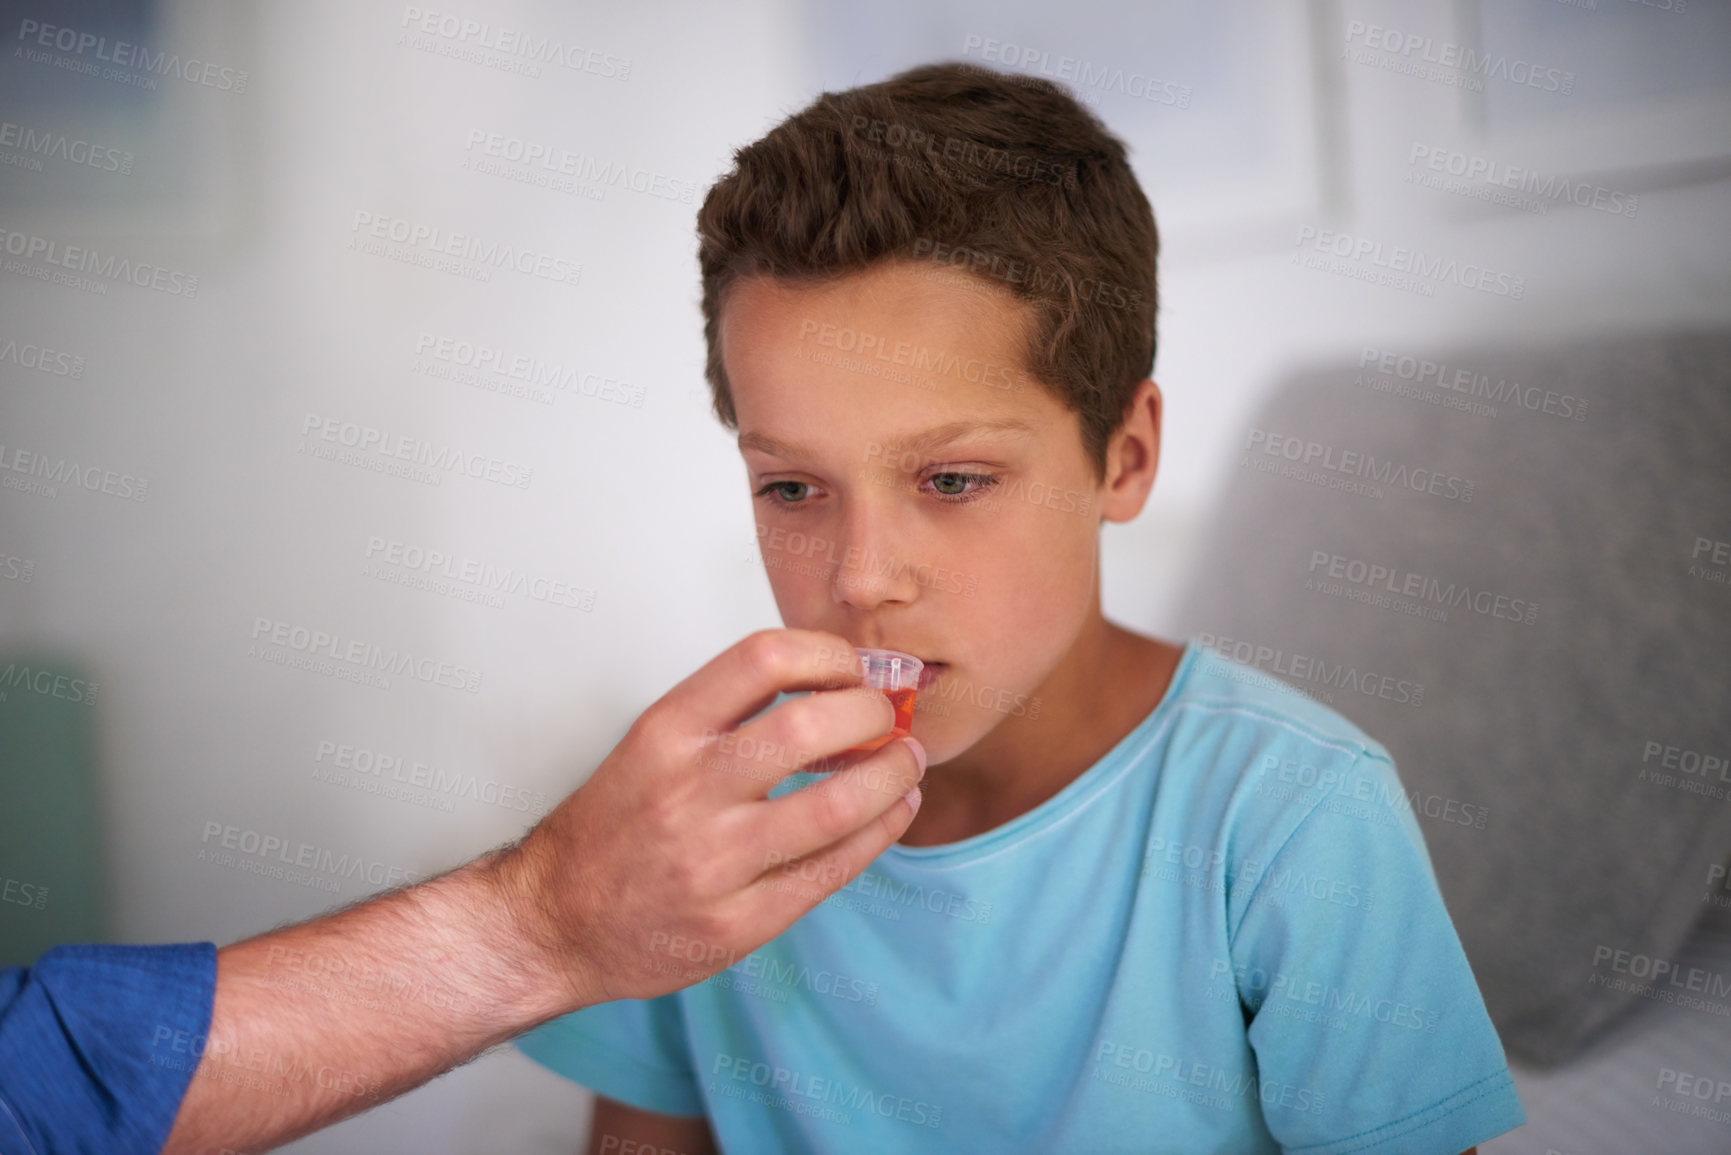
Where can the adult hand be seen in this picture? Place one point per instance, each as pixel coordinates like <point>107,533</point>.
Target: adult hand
<point>672,862</point>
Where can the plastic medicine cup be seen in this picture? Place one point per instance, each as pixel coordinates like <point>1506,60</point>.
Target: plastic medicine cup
<point>897,676</point>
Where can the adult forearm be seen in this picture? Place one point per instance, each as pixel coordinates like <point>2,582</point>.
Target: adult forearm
<point>320,1021</point>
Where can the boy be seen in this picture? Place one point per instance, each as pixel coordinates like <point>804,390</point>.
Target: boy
<point>1151,901</point>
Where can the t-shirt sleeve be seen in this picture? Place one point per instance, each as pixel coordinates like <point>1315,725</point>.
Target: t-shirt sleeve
<point>632,1050</point>
<point>1369,1031</point>
<point>97,1045</point>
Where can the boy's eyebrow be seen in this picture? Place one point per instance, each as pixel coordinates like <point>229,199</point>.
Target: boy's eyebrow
<point>933,438</point>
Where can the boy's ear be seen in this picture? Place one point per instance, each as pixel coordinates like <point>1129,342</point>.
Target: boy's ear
<point>1133,455</point>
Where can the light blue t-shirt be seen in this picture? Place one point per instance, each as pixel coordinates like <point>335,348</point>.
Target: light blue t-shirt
<point>1224,936</point>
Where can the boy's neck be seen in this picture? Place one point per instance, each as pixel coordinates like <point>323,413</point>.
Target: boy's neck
<point>1110,680</point>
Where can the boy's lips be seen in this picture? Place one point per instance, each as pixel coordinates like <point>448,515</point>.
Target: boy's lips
<point>931,672</point>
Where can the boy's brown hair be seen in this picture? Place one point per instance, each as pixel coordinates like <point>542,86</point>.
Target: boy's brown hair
<point>1006,178</point>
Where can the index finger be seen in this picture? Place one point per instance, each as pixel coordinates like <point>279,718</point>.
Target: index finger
<point>744,678</point>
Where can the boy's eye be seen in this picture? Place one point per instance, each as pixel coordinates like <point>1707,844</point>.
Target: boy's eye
<point>950,484</point>
<point>782,487</point>
<point>955,485</point>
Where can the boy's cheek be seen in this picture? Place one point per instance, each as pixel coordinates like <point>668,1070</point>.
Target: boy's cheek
<point>950,737</point>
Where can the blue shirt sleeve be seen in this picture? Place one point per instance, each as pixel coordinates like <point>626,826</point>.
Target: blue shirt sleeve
<point>1357,989</point>
<point>98,1045</point>
<point>633,1050</point>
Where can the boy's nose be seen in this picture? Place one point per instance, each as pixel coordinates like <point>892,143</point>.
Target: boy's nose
<point>868,578</point>
<point>872,567</point>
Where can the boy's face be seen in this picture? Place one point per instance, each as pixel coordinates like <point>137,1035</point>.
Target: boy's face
<point>913,487</point>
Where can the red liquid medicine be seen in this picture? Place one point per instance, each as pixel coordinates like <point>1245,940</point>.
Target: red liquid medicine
<point>903,701</point>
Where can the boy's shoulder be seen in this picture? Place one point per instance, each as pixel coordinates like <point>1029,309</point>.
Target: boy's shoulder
<point>1218,699</point>
<point>1247,752</point>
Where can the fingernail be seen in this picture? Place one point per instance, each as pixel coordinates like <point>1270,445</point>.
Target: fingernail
<point>919,751</point>
<point>912,798</point>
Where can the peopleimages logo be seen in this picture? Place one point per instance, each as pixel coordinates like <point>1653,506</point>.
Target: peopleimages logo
<point>1681,768</point>
<point>1447,62</point>
<point>35,145</point>
<point>793,975</point>
<point>540,163</point>
<point>364,769</point>
<point>1041,279</point>
<point>82,259</point>
<point>1322,460</point>
<point>16,569</point>
<point>471,39</point>
<point>915,147</point>
<point>1431,380</point>
<point>908,895</point>
<point>1309,670</point>
<point>47,683</point>
<point>1718,555</point>
<point>272,848</point>
<point>1482,178</point>
<point>388,559</point>
<point>1401,267</point>
<point>43,474</point>
<point>517,374</point>
<point>41,358</point>
<point>352,659</point>
<point>1280,986</point>
<point>859,565</point>
<point>803,1093</point>
<point>435,247</point>
<point>368,447</point>
<point>1088,78</point>
<point>35,36</point>
<point>23,893</point>
<point>919,358</point>
<point>1391,587</point>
